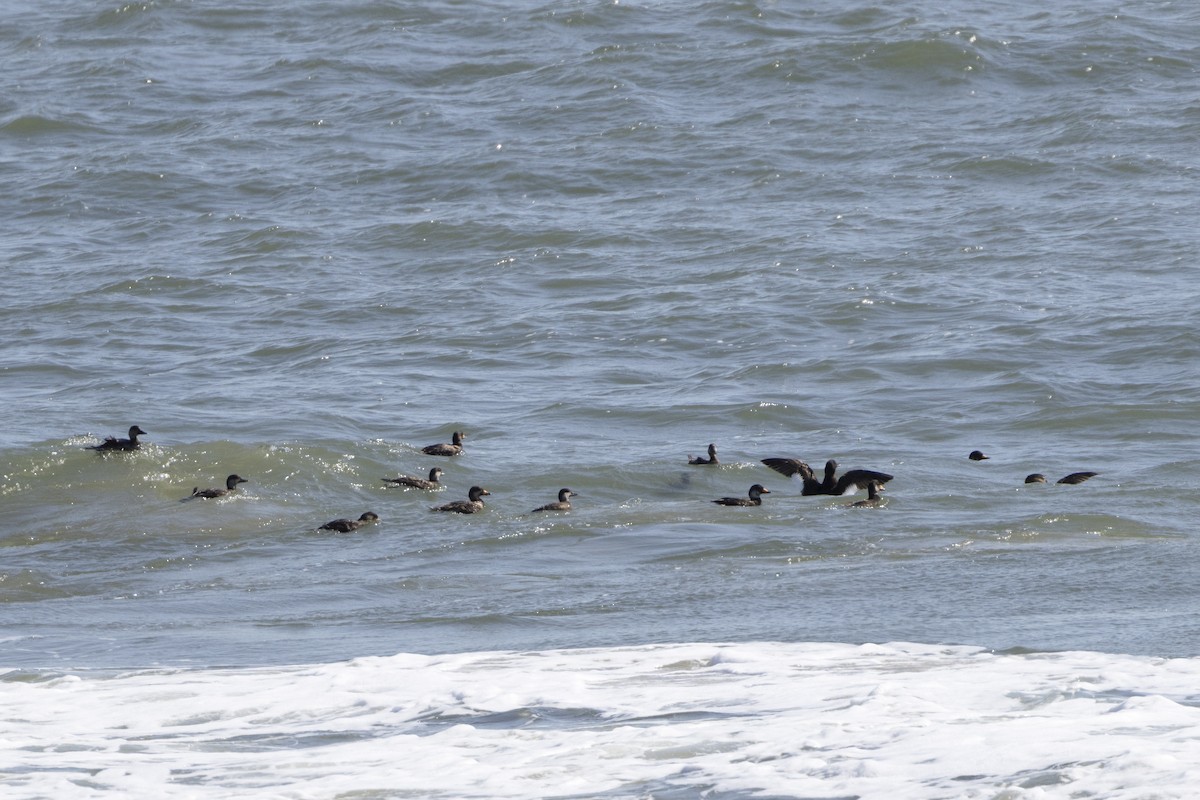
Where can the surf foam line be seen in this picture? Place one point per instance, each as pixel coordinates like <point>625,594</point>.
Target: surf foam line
<point>890,721</point>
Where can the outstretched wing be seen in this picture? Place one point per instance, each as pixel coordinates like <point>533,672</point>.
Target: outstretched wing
<point>859,479</point>
<point>789,466</point>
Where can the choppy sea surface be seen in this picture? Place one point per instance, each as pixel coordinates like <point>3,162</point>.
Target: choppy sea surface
<point>298,242</point>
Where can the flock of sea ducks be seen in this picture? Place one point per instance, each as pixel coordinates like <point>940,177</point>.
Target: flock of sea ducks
<point>848,483</point>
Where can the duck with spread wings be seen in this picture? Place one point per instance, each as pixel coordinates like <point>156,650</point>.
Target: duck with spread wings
<point>849,483</point>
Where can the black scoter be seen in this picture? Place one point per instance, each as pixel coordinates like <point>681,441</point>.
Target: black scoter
<point>112,444</point>
<point>850,482</point>
<point>977,455</point>
<point>701,460</point>
<point>1073,478</point>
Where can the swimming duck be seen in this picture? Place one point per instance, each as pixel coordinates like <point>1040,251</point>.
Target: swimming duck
<point>230,486</point>
<point>700,460</point>
<point>977,455</point>
<point>755,498</point>
<point>475,504</point>
<point>418,483</point>
<point>1073,478</point>
<point>563,504</point>
<point>873,499</point>
<point>347,525</point>
<point>444,449</point>
<point>113,444</point>
<point>849,483</point>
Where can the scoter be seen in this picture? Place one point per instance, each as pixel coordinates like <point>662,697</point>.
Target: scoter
<point>755,498</point>
<point>701,460</point>
<point>1073,478</point>
<point>443,449</point>
<point>112,444</point>
<point>849,483</point>
<point>472,506</point>
<point>418,483</point>
<point>347,525</point>
<point>563,504</point>
<point>230,486</point>
<point>873,499</point>
<point>977,455</point>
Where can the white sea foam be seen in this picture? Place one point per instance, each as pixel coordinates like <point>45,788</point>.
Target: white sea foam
<point>747,720</point>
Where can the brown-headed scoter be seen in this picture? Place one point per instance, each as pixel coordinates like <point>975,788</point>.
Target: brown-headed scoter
<point>755,498</point>
<point>347,525</point>
<point>230,486</point>
<point>418,483</point>
<point>443,449</point>
<point>873,499</point>
<point>471,506</point>
<point>563,504</point>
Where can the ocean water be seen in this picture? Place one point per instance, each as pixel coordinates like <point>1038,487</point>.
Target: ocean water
<point>298,242</point>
